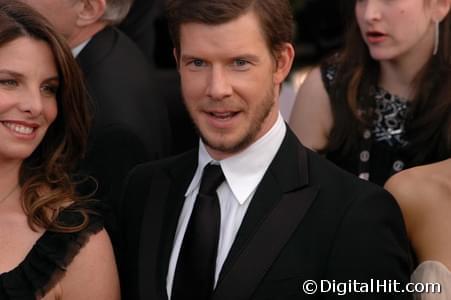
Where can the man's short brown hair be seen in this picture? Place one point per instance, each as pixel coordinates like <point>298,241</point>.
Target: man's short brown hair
<point>275,16</point>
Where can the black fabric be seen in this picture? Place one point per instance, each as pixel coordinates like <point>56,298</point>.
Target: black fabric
<point>195,271</point>
<point>131,122</point>
<point>47,261</point>
<point>146,25</point>
<point>308,220</point>
<point>387,141</point>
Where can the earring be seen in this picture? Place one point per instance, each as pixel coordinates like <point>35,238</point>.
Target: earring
<point>437,37</point>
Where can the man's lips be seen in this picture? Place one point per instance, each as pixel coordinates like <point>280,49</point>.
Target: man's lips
<point>222,120</point>
<point>224,115</point>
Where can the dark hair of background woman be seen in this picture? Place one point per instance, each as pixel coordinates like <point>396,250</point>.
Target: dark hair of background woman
<point>428,123</point>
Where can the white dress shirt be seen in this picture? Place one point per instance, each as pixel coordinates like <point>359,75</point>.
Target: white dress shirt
<point>243,172</point>
<point>76,50</point>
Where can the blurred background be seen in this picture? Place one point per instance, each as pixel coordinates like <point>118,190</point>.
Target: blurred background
<point>319,30</point>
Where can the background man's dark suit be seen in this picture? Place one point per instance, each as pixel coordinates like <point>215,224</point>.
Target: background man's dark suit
<point>147,26</point>
<point>130,122</point>
<point>307,220</point>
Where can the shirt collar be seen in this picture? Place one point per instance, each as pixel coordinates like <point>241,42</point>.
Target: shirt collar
<point>76,50</point>
<point>244,171</point>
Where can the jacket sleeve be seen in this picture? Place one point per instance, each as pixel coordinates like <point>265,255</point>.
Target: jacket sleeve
<point>371,250</point>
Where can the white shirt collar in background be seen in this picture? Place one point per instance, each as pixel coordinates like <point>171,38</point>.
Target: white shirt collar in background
<point>77,50</point>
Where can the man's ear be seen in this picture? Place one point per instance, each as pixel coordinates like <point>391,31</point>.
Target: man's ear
<point>90,11</point>
<point>284,61</point>
<point>176,57</point>
<point>440,9</point>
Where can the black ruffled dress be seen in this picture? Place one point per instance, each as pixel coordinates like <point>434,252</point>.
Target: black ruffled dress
<point>47,261</point>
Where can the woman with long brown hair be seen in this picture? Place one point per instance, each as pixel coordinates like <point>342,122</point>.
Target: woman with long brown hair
<point>379,106</point>
<point>51,245</point>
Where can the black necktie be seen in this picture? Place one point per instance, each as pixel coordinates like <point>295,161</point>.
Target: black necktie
<point>195,271</point>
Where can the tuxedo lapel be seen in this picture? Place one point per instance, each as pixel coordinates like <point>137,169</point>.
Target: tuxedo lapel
<point>159,225</point>
<point>279,205</point>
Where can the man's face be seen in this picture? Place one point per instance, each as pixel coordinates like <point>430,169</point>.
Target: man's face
<point>229,82</point>
<point>61,13</point>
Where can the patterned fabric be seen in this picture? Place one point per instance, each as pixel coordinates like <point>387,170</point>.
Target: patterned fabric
<point>380,149</point>
<point>391,113</point>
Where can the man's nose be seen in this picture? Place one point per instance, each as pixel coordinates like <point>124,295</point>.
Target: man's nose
<point>219,86</point>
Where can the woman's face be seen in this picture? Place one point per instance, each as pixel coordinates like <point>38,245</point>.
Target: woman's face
<point>28,85</point>
<point>396,28</point>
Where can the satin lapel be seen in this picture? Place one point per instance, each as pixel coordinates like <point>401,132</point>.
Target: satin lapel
<point>266,196</point>
<point>159,225</point>
<point>279,205</point>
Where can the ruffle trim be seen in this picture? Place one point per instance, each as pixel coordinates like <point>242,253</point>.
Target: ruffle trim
<point>49,258</point>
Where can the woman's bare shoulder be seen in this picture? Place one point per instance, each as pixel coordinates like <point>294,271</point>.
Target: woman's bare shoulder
<point>92,274</point>
<point>412,185</point>
<point>423,193</point>
<point>311,118</point>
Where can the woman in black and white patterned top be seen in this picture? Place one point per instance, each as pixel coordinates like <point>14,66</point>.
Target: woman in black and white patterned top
<point>383,103</point>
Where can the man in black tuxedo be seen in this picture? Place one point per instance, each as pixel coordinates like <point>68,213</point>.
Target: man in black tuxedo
<point>250,213</point>
<point>130,119</point>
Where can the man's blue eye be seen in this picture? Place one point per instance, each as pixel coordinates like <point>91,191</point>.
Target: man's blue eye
<point>241,64</point>
<point>198,62</point>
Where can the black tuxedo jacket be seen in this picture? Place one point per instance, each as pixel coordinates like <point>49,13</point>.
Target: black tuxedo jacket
<point>308,220</point>
<point>131,123</point>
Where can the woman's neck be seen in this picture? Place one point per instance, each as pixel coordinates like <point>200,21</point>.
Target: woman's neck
<point>397,79</point>
<point>9,178</point>
<point>398,75</point>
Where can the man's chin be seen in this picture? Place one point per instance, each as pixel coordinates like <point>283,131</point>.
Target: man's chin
<point>227,148</point>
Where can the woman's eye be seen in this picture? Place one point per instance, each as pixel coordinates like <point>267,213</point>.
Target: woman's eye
<point>9,82</point>
<point>49,89</point>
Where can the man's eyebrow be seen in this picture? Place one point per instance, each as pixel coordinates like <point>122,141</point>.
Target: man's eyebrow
<point>185,57</point>
<point>251,57</point>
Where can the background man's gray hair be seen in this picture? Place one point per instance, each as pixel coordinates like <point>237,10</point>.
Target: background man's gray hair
<point>116,10</point>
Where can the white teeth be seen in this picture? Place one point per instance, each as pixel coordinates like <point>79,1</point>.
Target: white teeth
<point>222,115</point>
<point>19,128</point>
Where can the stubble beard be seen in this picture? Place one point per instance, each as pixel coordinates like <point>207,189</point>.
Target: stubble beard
<point>256,123</point>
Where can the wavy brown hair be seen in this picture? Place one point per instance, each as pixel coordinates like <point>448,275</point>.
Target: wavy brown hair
<point>44,177</point>
<point>427,126</point>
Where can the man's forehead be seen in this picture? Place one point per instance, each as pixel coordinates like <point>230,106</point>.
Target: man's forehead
<point>243,31</point>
